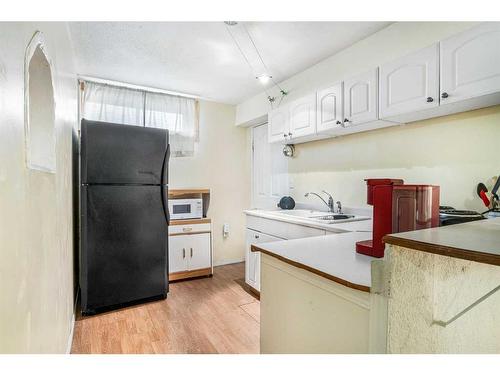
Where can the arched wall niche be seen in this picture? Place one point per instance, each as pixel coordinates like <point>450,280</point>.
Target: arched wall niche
<point>39,107</point>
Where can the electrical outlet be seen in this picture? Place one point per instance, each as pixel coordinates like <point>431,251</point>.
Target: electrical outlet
<point>225,230</point>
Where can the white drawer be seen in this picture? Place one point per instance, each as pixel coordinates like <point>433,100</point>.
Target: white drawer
<point>189,228</point>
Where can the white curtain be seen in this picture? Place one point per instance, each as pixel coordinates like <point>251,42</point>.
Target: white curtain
<point>177,114</point>
<point>113,104</point>
<point>102,102</point>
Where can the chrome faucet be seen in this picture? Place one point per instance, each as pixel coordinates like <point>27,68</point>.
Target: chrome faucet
<point>329,204</point>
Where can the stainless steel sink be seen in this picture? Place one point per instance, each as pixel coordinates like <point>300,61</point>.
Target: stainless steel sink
<point>320,216</point>
<point>334,217</point>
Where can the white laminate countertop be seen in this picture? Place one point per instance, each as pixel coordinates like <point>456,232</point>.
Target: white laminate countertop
<point>351,226</point>
<point>478,241</point>
<point>332,255</point>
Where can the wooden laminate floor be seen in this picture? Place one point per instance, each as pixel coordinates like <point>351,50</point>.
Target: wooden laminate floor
<point>207,315</point>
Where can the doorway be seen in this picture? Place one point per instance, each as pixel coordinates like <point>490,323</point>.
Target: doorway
<point>269,170</point>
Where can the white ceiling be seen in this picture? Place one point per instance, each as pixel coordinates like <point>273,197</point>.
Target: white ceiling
<point>201,58</point>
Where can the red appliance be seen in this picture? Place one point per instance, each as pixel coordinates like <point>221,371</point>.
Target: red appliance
<point>398,208</point>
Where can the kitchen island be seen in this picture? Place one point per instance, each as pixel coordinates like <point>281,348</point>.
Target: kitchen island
<point>315,295</point>
<point>436,291</point>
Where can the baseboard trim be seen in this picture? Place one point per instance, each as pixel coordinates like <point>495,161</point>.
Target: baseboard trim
<point>72,328</point>
<point>70,338</point>
<point>226,262</point>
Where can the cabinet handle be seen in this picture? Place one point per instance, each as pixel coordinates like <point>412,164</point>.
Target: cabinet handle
<point>187,229</point>
<point>191,252</point>
<point>183,253</point>
<point>430,99</point>
<point>444,95</point>
<point>256,236</point>
<point>347,120</point>
<point>290,134</point>
<point>338,122</point>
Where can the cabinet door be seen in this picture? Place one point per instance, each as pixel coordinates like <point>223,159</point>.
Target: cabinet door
<point>470,63</point>
<point>360,98</point>
<point>198,251</point>
<point>303,117</point>
<point>330,105</point>
<point>278,125</point>
<point>252,259</point>
<point>410,84</point>
<point>177,253</point>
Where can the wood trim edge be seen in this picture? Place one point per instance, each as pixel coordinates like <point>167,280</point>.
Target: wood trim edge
<point>175,192</point>
<point>338,280</point>
<point>189,274</point>
<point>448,251</point>
<point>191,221</point>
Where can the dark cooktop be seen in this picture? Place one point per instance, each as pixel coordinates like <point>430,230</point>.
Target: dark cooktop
<point>449,215</point>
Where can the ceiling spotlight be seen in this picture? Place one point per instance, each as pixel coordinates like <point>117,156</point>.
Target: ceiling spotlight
<point>231,23</point>
<point>264,78</point>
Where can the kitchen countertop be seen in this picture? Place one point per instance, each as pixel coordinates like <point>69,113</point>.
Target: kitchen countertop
<point>332,256</point>
<point>351,226</point>
<point>478,241</point>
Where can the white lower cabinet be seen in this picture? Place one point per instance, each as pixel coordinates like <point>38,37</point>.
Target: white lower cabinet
<point>260,230</point>
<point>189,252</point>
<point>252,259</point>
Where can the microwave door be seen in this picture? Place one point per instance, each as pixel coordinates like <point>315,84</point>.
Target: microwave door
<point>182,210</point>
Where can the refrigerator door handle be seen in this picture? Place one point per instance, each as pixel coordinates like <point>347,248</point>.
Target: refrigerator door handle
<point>164,167</point>
<point>165,208</point>
<point>162,185</point>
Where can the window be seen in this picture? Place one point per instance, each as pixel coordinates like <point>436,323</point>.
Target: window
<point>39,108</point>
<point>116,104</point>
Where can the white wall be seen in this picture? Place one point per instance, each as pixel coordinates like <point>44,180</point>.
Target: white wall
<point>36,208</point>
<point>222,164</point>
<point>455,152</point>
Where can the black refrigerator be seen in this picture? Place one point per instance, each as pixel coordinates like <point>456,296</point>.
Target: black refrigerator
<point>124,215</point>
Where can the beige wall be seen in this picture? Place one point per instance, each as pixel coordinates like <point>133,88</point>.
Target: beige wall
<point>221,163</point>
<point>36,208</point>
<point>455,152</point>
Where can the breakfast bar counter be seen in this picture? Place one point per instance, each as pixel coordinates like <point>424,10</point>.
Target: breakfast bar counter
<point>333,257</point>
<point>478,241</point>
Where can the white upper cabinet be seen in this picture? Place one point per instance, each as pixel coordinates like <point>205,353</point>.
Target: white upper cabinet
<point>470,63</point>
<point>458,74</point>
<point>303,117</point>
<point>360,98</point>
<point>410,84</point>
<point>330,107</point>
<point>279,127</point>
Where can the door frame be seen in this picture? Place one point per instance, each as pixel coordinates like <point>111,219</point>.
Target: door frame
<point>270,201</point>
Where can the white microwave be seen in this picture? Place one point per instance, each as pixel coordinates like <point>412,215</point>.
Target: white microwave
<point>185,208</point>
